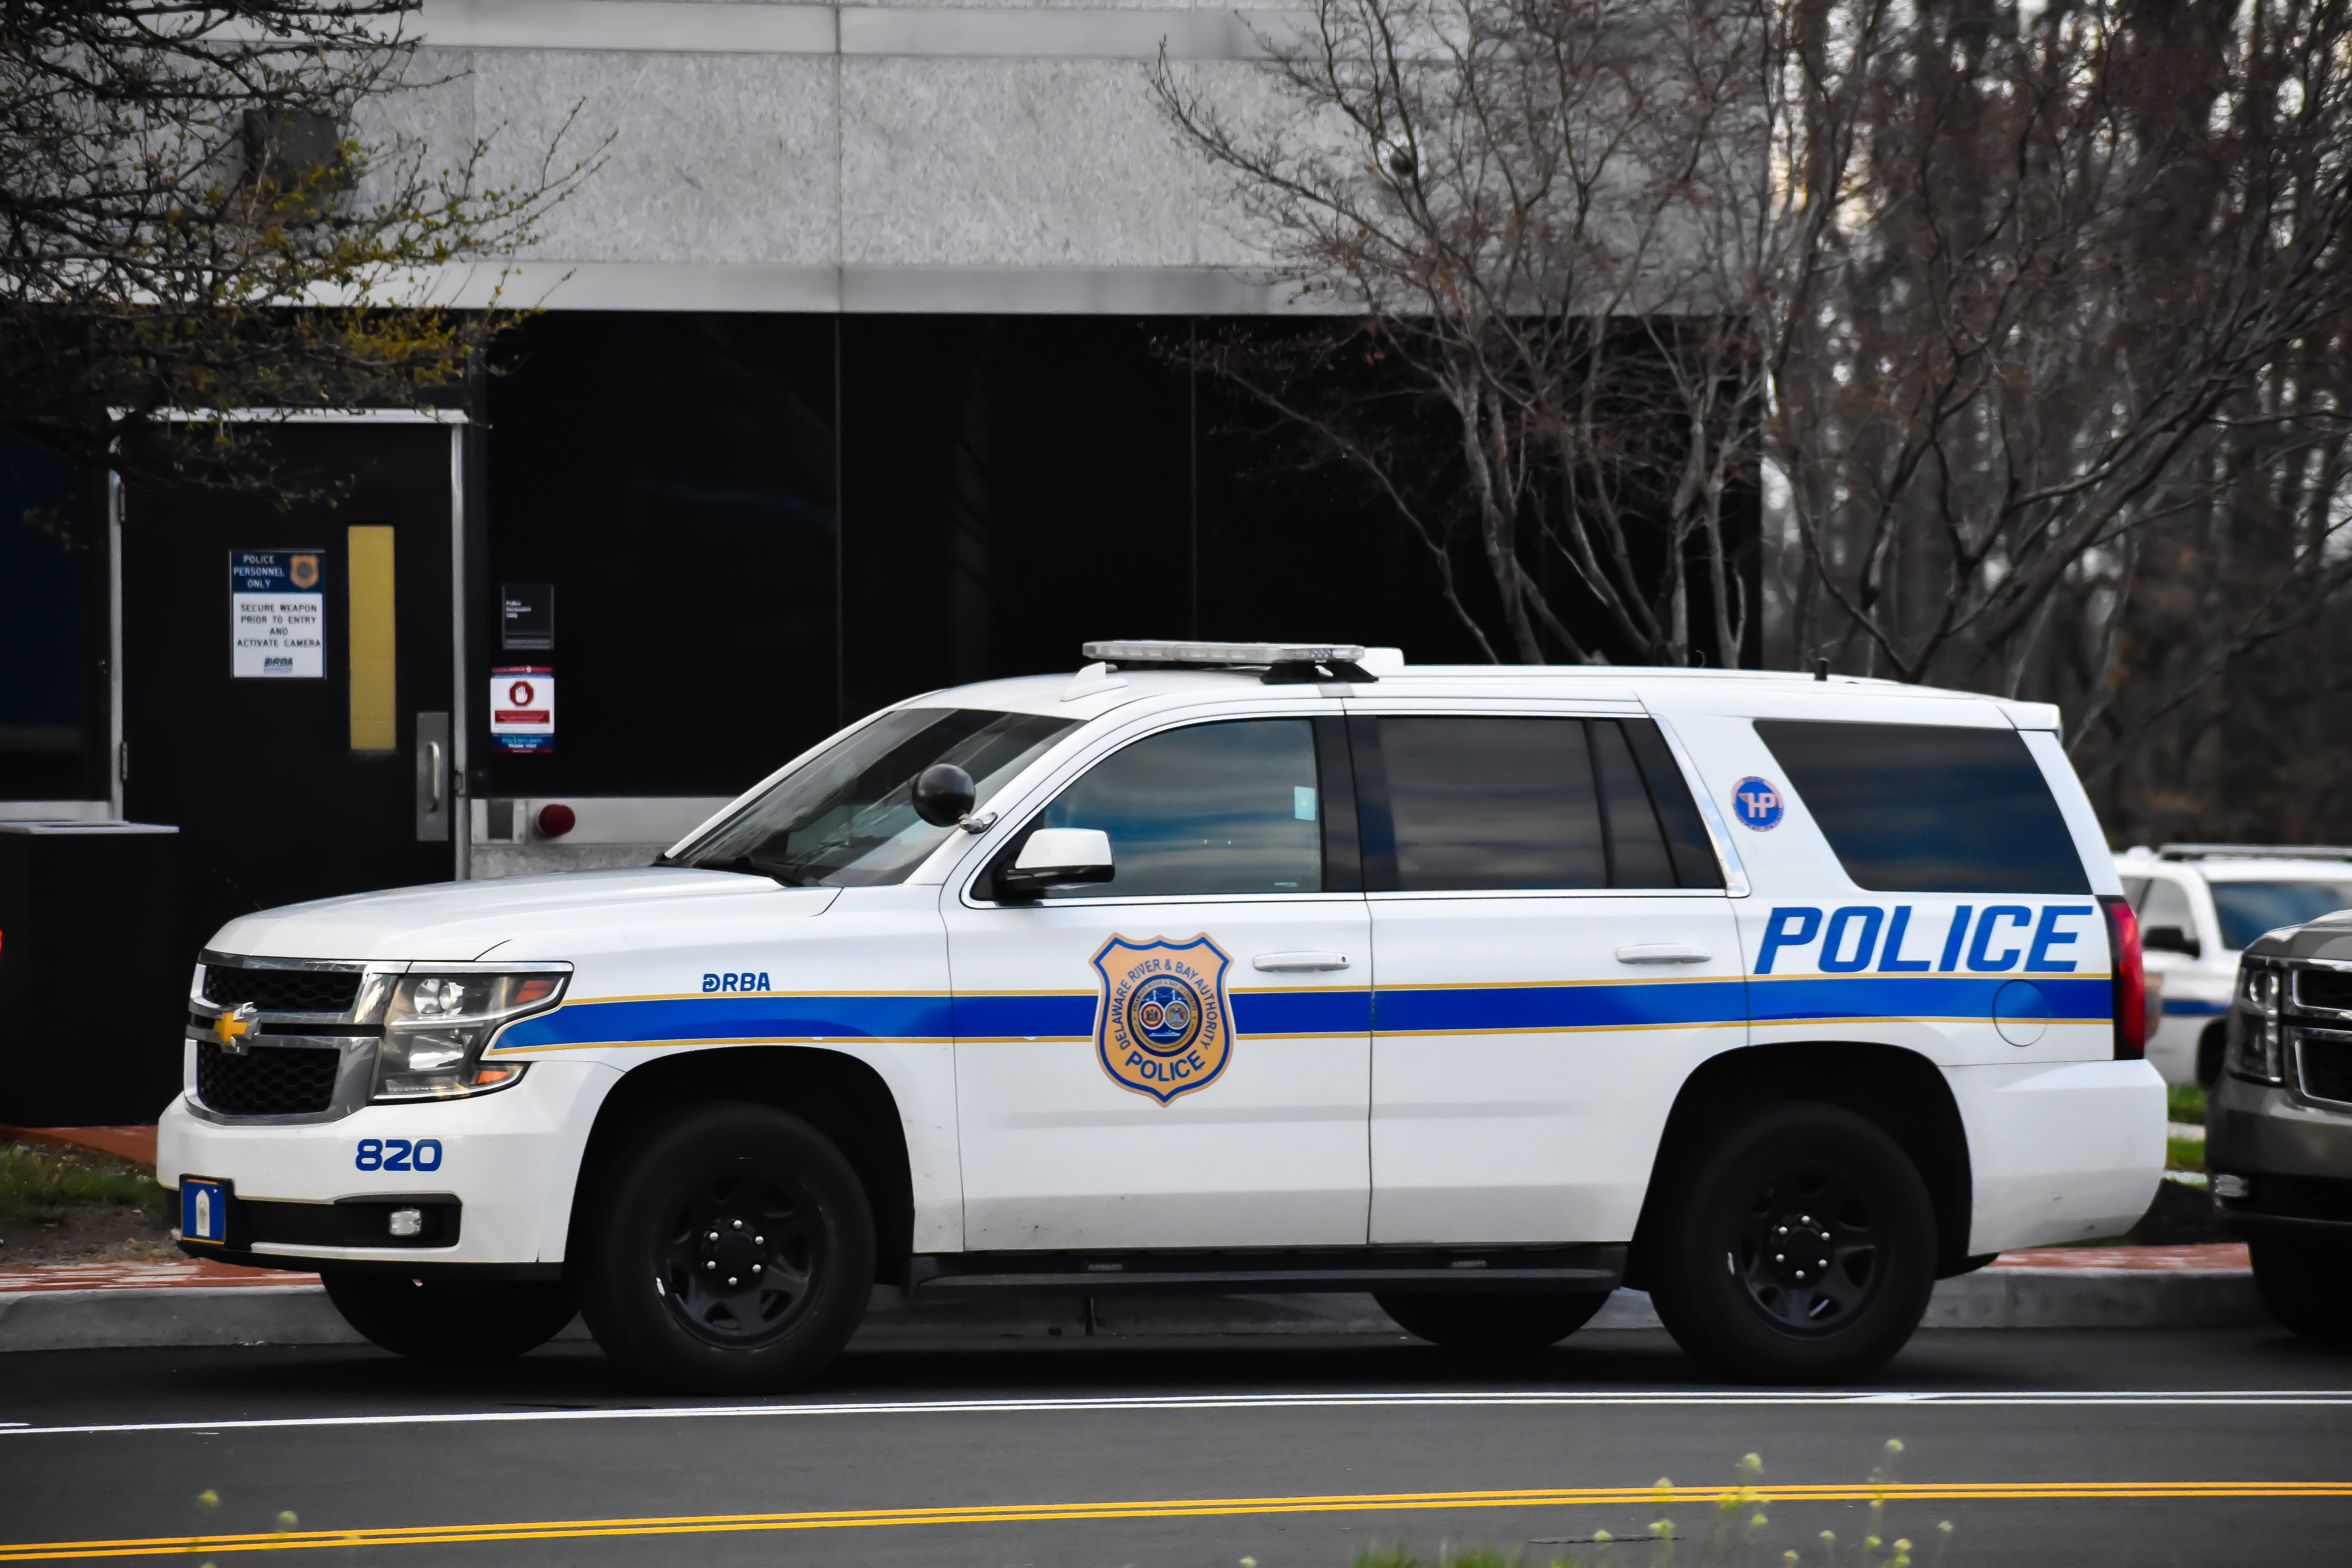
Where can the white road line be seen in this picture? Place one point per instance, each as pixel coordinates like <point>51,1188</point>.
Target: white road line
<point>1585,1399</point>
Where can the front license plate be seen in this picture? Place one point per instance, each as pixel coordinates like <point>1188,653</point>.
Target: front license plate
<point>204,1210</point>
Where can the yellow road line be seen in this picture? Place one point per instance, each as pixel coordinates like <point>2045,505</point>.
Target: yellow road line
<point>1174,1508</point>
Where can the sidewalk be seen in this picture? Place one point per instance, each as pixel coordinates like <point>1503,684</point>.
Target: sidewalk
<point>199,1302</point>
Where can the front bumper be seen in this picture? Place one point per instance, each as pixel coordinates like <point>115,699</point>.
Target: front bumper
<point>2294,1157</point>
<point>509,1161</point>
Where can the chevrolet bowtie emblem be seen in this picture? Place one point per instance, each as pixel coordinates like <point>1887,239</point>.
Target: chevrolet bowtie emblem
<point>233,1027</point>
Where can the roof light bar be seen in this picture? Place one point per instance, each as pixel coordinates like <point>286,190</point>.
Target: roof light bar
<point>2255,852</point>
<point>1158,651</point>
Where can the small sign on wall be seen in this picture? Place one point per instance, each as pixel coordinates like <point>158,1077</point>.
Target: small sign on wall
<point>276,614</point>
<point>522,708</point>
<point>526,615</point>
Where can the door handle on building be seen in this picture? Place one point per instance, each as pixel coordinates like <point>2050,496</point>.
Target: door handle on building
<point>1298,963</point>
<point>1664,953</point>
<point>433,774</point>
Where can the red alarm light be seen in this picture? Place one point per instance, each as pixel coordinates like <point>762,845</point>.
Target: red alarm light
<point>555,821</point>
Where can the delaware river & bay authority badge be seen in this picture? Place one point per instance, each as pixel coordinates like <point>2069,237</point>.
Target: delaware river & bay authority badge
<point>1163,1027</point>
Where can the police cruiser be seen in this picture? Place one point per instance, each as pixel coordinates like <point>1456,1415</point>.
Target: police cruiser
<point>1225,967</point>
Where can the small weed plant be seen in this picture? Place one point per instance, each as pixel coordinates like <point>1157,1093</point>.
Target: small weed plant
<point>2185,1102</point>
<point>1737,1533</point>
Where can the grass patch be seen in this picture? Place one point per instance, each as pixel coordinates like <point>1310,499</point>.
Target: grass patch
<point>2184,1153</point>
<point>41,1186</point>
<point>2185,1102</point>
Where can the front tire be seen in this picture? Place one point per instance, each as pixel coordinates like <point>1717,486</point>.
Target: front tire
<point>2307,1285</point>
<point>434,1320</point>
<point>1491,1323</point>
<point>730,1250</point>
<point>1801,1248</point>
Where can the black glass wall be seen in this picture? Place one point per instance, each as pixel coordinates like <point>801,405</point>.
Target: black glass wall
<point>757,528</point>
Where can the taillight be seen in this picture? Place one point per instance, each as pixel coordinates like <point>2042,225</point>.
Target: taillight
<point>2130,999</point>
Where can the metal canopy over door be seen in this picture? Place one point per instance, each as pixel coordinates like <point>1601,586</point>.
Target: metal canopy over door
<point>288,673</point>
<point>1554,953</point>
<point>1178,1058</point>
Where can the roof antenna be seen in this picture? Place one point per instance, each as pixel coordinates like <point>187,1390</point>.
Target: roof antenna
<point>1821,669</point>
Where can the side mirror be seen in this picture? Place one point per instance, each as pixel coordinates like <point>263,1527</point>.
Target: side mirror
<point>1057,857</point>
<point>2168,939</point>
<point>943,795</point>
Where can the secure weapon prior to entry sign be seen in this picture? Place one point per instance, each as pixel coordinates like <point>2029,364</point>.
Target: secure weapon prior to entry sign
<point>522,709</point>
<point>277,614</point>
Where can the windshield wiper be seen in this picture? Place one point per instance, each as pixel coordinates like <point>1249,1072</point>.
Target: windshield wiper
<point>746,865</point>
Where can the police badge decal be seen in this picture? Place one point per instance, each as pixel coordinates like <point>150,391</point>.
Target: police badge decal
<point>1163,1027</point>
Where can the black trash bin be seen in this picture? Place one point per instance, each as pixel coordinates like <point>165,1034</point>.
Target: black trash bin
<point>93,990</point>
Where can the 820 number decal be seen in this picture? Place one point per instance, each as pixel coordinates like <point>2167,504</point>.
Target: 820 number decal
<point>399,1154</point>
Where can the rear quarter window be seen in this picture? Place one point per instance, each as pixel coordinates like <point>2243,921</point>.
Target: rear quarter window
<point>1930,808</point>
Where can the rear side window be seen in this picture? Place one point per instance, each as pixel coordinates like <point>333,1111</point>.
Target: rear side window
<point>1930,808</point>
<point>1483,803</point>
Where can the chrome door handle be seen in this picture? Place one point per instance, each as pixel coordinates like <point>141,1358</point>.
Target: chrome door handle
<point>1298,963</point>
<point>433,774</point>
<point>1664,953</point>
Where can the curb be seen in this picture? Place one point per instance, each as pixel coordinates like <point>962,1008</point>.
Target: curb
<point>300,1314</point>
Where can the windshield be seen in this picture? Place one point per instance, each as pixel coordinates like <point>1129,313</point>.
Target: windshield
<point>2249,909</point>
<point>845,818</point>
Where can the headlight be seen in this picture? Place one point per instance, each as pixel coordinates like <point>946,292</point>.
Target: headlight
<point>2253,1028</point>
<point>435,1026</point>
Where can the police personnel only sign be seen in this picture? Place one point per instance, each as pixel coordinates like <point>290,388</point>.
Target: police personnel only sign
<point>277,616</point>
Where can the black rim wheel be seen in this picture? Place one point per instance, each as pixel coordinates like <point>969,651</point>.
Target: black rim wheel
<point>1808,1251</point>
<point>739,1255</point>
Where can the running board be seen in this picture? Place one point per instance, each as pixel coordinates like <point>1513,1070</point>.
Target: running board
<point>1597,1266</point>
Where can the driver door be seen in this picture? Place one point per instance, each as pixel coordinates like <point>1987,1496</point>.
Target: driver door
<point>1180,1058</point>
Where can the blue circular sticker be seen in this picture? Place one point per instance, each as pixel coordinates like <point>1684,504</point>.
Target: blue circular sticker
<point>1756,804</point>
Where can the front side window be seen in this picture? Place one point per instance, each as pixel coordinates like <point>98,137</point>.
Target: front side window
<point>1232,807</point>
<point>2246,909</point>
<point>1930,808</point>
<point>846,819</point>
<point>2166,905</point>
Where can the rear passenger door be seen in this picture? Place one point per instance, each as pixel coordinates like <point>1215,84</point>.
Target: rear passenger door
<point>1553,953</point>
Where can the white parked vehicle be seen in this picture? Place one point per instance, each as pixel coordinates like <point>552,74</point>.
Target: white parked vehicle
<point>1223,967</point>
<point>2199,907</point>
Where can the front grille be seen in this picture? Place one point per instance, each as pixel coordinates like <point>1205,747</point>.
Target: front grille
<point>282,990</point>
<point>2326,1067</point>
<point>266,1080</point>
<point>2330,988</point>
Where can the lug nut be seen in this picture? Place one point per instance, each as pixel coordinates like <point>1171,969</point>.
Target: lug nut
<point>738,1225</point>
<point>1777,1257</point>
<point>1801,1274</point>
<point>759,1241</point>
<point>711,1266</point>
<point>731,1279</point>
<point>755,1268</point>
<point>714,1235</point>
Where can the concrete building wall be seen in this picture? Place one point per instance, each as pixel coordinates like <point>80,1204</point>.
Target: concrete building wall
<point>896,157</point>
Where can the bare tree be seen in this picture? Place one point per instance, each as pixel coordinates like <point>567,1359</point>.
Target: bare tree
<point>2063,264</point>
<point>193,213</point>
<point>1538,364</point>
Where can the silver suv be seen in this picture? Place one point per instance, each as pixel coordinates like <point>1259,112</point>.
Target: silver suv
<point>2278,1122</point>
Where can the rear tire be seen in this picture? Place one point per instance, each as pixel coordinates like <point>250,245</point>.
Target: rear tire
<point>1489,1322</point>
<point>729,1250</point>
<point>434,1320</point>
<point>2307,1285</point>
<point>1798,1248</point>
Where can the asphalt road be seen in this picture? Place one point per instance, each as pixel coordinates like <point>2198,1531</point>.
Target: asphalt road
<point>2057,1448</point>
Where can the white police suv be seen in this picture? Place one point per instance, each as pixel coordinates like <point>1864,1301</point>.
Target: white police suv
<point>1223,967</point>
<point>2199,907</point>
